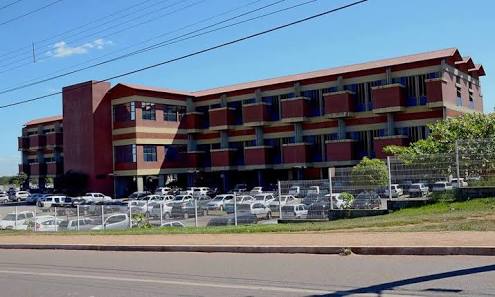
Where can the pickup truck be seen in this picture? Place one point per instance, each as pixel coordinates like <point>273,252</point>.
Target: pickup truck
<point>95,197</point>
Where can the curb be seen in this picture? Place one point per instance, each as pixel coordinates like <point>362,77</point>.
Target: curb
<point>328,250</point>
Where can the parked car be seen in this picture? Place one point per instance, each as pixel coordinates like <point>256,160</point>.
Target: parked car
<point>96,197</point>
<point>50,225</point>
<point>244,218</point>
<point>418,190</point>
<point>441,186</point>
<point>294,211</point>
<point>228,206</point>
<point>264,198</point>
<point>71,225</point>
<point>197,191</point>
<point>163,191</point>
<point>140,207</point>
<point>11,220</point>
<point>318,210</point>
<point>396,191</point>
<point>34,198</point>
<point>338,203</point>
<point>52,201</point>
<point>114,222</point>
<point>181,199</point>
<point>164,208</point>
<point>366,200</point>
<point>217,203</point>
<point>295,191</point>
<point>176,224</point>
<point>30,224</point>
<point>313,190</point>
<point>20,196</point>
<point>4,198</point>
<point>310,199</point>
<point>239,188</point>
<point>212,192</point>
<point>458,181</point>
<point>285,200</point>
<point>256,190</point>
<point>259,209</point>
<point>137,195</point>
<point>187,210</point>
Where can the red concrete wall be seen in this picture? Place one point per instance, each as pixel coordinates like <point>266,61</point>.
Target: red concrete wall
<point>87,120</point>
<point>256,155</point>
<point>55,139</point>
<point>295,108</point>
<point>221,158</point>
<point>295,153</point>
<point>255,113</point>
<point>340,150</point>
<point>392,96</point>
<point>338,102</point>
<point>221,117</point>
<point>434,90</point>
<point>380,143</point>
<point>191,121</point>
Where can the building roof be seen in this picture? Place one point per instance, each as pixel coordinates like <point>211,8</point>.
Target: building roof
<point>438,54</point>
<point>44,120</point>
<point>155,89</point>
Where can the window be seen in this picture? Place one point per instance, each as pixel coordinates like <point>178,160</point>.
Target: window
<point>248,101</point>
<point>172,152</point>
<point>471,96</point>
<point>148,111</point>
<point>422,85</point>
<point>286,96</point>
<point>125,153</point>
<point>172,113</point>
<point>287,140</point>
<point>124,112</point>
<point>459,96</point>
<point>149,153</point>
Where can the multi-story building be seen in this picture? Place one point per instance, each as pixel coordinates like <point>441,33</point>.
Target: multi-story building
<point>41,147</point>
<point>128,137</point>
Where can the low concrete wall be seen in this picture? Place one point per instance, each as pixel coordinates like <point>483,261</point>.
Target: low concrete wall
<point>396,204</point>
<point>337,214</point>
<point>474,192</point>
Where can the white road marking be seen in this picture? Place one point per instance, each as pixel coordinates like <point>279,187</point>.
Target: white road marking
<point>166,282</point>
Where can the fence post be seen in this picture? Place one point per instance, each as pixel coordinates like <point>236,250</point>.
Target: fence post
<point>130,214</point>
<point>458,170</point>
<point>102,218</point>
<point>161,214</point>
<point>195,212</point>
<point>389,178</point>
<point>330,187</point>
<point>77,210</point>
<point>279,200</point>
<point>56,229</point>
<point>15,221</point>
<point>235,209</point>
<point>35,220</point>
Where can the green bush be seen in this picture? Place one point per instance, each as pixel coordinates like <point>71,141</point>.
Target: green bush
<point>139,220</point>
<point>447,196</point>
<point>348,199</point>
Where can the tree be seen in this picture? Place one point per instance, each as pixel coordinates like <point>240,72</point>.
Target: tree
<point>18,180</point>
<point>474,136</point>
<point>369,173</point>
<point>73,183</point>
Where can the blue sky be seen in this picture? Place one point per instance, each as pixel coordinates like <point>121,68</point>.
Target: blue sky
<point>373,30</point>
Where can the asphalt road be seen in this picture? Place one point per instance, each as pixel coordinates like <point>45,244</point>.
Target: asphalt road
<point>25,273</point>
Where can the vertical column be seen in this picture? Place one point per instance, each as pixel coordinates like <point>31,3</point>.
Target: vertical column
<point>190,105</point>
<point>297,89</point>
<point>390,124</point>
<point>259,136</point>
<point>298,133</point>
<point>139,183</point>
<point>224,140</point>
<point>223,100</point>
<point>341,132</point>
<point>161,180</point>
<point>340,83</point>
<point>258,96</point>
<point>388,75</point>
<point>191,143</point>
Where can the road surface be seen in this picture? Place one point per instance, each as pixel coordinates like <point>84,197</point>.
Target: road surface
<point>25,273</point>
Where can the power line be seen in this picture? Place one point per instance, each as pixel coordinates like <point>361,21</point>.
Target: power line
<point>58,35</point>
<point>29,13</point>
<point>10,4</point>
<point>173,40</point>
<point>225,44</point>
<point>147,40</point>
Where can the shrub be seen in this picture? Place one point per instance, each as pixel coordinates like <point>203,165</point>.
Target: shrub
<point>348,198</point>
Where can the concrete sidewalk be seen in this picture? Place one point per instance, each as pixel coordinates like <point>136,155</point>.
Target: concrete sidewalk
<point>339,239</point>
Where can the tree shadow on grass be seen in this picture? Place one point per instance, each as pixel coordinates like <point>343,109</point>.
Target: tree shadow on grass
<point>379,288</point>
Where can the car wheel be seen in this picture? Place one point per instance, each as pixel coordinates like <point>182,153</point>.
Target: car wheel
<point>186,216</point>
<point>268,215</point>
<point>166,216</point>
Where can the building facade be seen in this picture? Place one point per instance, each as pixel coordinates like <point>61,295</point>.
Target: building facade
<point>131,137</point>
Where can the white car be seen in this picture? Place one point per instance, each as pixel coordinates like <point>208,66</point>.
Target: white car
<point>337,202</point>
<point>164,208</point>
<point>418,190</point>
<point>295,191</point>
<point>71,225</point>
<point>50,225</point>
<point>163,191</point>
<point>228,206</point>
<point>266,199</point>
<point>21,196</point>
<point>396,191</point>
<point>294,211</point>
<point>217,203</point>
<point>286,199</point>
<point>96,197</point>
<point>313,190</point>
<point>140,207</point>
<point>30,223</point>
<point>10,221</point>
<point>256,190</point>
<point>260,210</point>
<point>51,201</point>
<point>197,191</point>
<point>181,199</point>
<point>4,198</point>
<point>114,222</point>
<point>455,183</point>
<point>441,186</point>
<point>173,224</point>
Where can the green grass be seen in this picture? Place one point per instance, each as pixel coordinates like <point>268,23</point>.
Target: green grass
<point>472,215</point>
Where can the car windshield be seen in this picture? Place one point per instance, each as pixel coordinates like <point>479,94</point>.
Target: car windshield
<point>218,198</point>
<point>259,197</point>
<point>9,217</point>
<point>64,224</point>
<point>179,198</point>
<point>244,207</point>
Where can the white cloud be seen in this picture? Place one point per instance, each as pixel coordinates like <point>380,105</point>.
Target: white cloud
<point>62,49</point>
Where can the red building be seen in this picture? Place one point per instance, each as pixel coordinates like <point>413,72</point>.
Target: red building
<point>131,137</point>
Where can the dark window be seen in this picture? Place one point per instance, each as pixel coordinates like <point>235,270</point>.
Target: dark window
<point>274,107</point>
<point>459,96</point>
<point>173,113</point>
<point>249,101</point>
<point>149,153</point>
<point>124,112</point>
<point>286,96</point>
<point>288,140</point>
<point>172,152</point>
<point>125,153</point>
<point>148,111</point>
<point>314,103</point>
